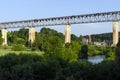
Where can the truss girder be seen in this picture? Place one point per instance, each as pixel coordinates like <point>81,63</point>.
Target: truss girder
<point>75,19</point>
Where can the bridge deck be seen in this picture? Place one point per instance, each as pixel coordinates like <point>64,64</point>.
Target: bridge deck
<point>74,19</point>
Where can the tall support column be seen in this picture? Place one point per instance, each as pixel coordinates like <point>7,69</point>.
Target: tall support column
<point>89,39</point>
<point>67,33</point>
<point>115,33</point>
<point>4,36</point>
<point>32,34</point>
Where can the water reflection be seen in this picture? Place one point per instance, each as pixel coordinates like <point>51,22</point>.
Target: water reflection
<point>96,59</point>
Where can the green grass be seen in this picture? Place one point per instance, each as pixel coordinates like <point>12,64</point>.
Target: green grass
<point>7,50</point>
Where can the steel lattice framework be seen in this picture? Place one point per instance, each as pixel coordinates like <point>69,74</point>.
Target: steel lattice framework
<point>75,19</point>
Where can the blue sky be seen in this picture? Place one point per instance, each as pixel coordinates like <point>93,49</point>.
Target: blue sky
<point>12,10</point>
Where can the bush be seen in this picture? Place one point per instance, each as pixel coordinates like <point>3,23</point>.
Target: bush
<point>5,47</point>
<point>75,71</point>
<point>36,67</point>
<point>18,47</point>
<point>34,48</point>
<point>84,52</point>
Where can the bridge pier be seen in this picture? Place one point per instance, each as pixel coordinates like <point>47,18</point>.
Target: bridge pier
<point>4,36</point>
<point>115,33</point>
<point>67,33</point>
<point>32,34</point>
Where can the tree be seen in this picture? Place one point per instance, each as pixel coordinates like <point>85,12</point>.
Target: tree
<point>118,51</point>
<point>18,37</point>
<point>51,44</point>
<point>1,39</point>
<point>80,38</point>
<point>18,47</point>
<point>84,52</point>
<point>74,38</point>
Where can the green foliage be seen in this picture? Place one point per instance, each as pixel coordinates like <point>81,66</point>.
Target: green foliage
<point>34,48</point>
<point>50,32</point>
<point>118,45</point>
<point>27,67</point>
<point>18,47</point>
<point>75,71</point>
<point>100,50</point>
<point>74,37</point>
<point>68,53</point>
<point>20,41</point>
<point>107,37</point>
<point>110,53</point>
<point>18,37</point>
<point>59,61</point>
<point>117,53</point>
<point>47,39</point>
<point>1,39</point>
<point>36,67</point>
<point>23,72</point>
<point>80,38</point>
<point>67,45</point>
<point>5,47</point>
<point>108,69</point>
<point>84,52</point>
<point>51,44</point>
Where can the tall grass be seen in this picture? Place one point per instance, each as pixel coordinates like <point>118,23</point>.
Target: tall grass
<point>7,50</point>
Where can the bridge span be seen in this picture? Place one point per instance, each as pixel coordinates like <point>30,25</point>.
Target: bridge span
<point>64,20</point>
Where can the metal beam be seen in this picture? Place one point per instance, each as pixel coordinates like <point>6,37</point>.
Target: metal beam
<point>74,19</point>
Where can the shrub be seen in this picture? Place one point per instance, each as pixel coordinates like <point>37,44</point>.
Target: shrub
<point>18,47</point>
<point>5,47</point>
<point>84,52</point>
<point>34,48</point>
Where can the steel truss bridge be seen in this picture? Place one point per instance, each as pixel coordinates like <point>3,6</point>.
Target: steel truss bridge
<point>74,19</point>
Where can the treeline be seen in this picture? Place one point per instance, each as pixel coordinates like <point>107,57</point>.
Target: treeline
<point>21,36</point>
<point>104,37</point>
<point>43,38</point>
<point>49,40</point>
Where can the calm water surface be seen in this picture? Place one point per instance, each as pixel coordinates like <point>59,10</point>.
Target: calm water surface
<point>96,59</point>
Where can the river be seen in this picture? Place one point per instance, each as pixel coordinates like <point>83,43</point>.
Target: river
<point>96,59</point>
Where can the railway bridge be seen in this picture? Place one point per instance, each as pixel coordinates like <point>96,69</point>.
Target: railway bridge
<point>113,17</point>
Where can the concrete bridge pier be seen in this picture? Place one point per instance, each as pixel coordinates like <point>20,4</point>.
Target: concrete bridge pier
<point>115,33</point>
<point>32,34</point>
<point>4,36</point>
<point>67,33</point>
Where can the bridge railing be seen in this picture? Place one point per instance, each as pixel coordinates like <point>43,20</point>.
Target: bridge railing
<point>75,19</point>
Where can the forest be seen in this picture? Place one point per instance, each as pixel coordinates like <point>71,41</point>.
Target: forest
<point>58,61</point>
